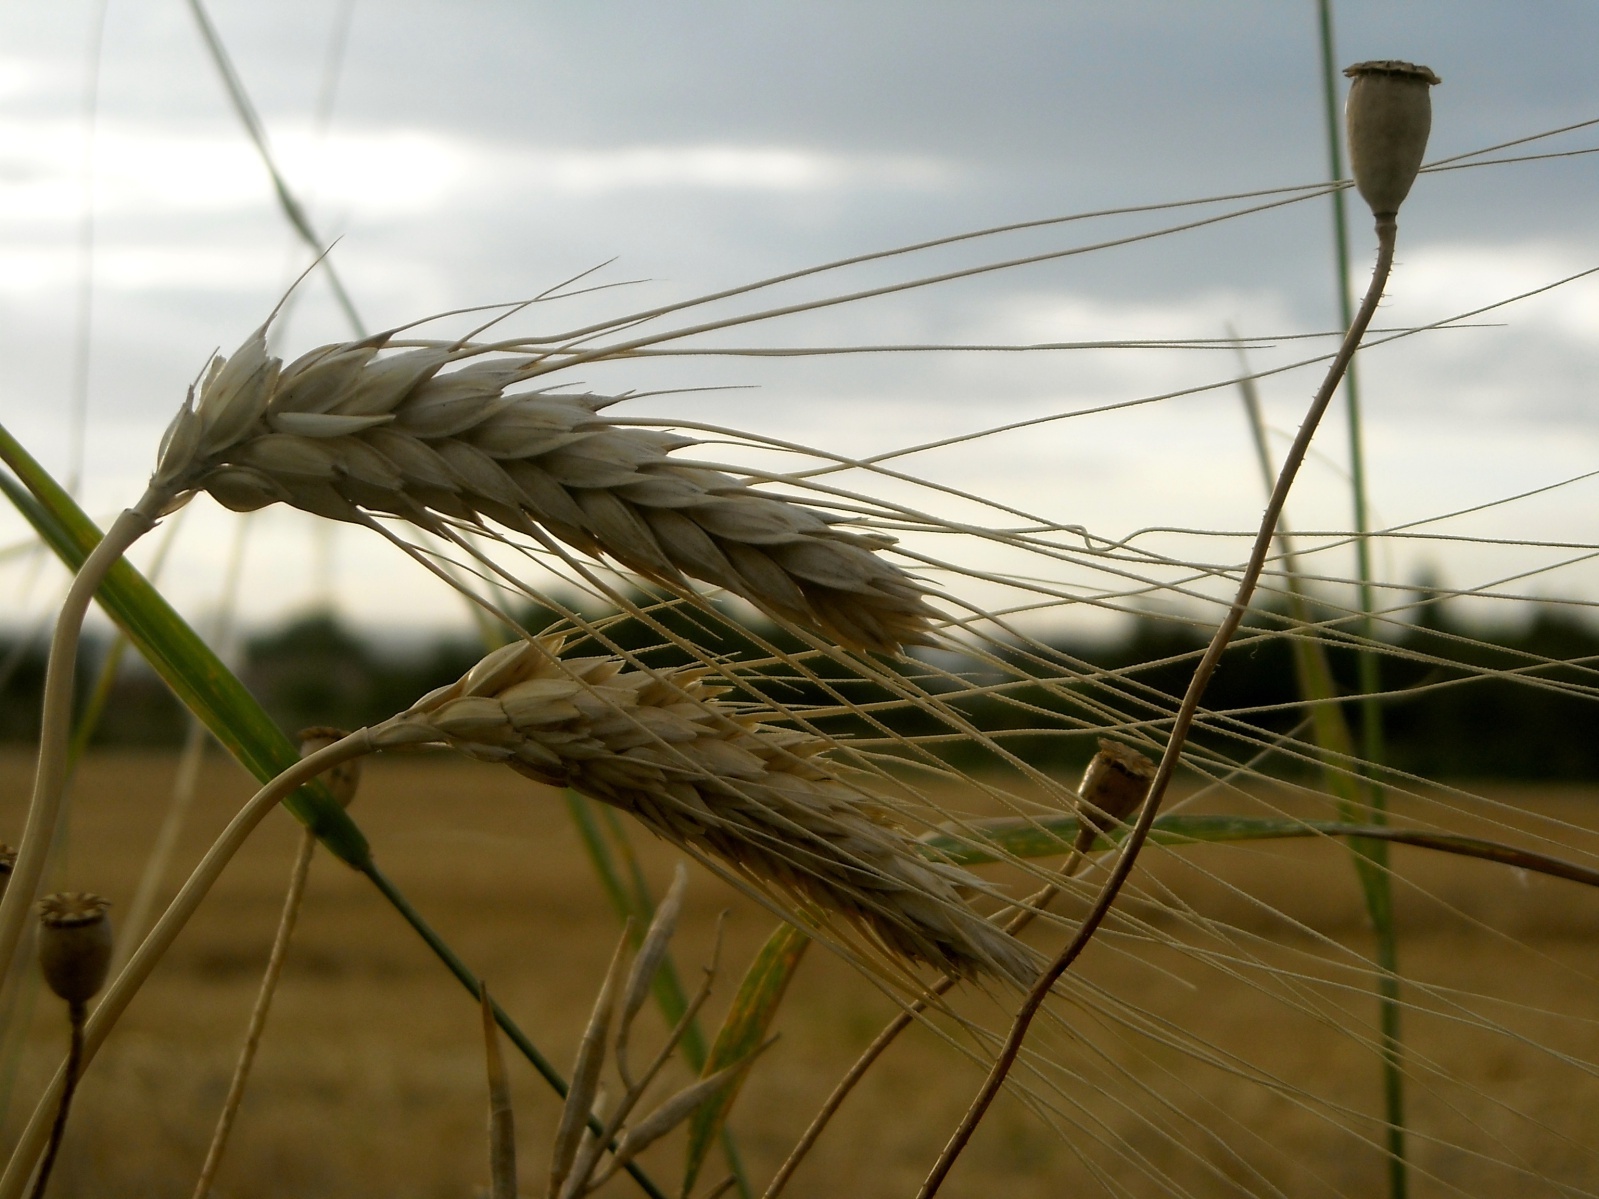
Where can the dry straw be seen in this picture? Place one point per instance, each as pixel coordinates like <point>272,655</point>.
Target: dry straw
<point>342,780</point>
<point>588,1126</point>
<point>345,431</point>
<point>707,776</point>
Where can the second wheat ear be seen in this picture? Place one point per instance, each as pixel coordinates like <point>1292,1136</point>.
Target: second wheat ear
<point>762,800</point>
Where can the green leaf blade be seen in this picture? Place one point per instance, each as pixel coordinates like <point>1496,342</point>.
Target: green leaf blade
<point>742,1034</point>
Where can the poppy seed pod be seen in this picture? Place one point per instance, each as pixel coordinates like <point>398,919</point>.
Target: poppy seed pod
<point>343,779</point>
<point>74,944</point>
<point>1114,784</point>
<point>1389,115</point>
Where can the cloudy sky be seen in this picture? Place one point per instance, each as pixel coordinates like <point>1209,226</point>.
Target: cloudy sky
<point>470,153</point>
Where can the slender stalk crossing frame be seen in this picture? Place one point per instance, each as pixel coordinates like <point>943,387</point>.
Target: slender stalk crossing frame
<point>1189,709</point>
<point>1372,860</point>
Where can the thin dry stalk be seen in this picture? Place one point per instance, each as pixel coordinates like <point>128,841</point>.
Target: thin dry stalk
<point>341,781</point>
<point>578,1167</point>
<point>74,1068</point>
<point>712,778</point>
<point>1114,784</point>
<point>502,1121</point>
<point>1187,711</point>
<point>258,1014</point>
<point>570,1134</point>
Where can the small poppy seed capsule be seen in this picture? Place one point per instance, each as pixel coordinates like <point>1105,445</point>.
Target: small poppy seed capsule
<point>344,778</point>
<point>1389,115</point>
<point>74,943</point>
<point>1113,786</point>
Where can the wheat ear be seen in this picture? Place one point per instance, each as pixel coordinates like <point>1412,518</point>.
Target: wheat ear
<point>712,778</point>
<point>345,431</point>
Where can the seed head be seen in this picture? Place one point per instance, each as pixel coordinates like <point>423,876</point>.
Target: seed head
<point>1389,114</point>
<point>343,779</point>
<point>74,943</point>
<point>1114,785</point>
<point>714,777</point>
<point>358,428</point>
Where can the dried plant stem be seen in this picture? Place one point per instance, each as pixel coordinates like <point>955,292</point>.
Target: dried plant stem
<point>49,784</point>
<point>471,982</point>
<point>1186,712</point>
<point>258,1016</point>
<point>75,1013</point>
<point>502,1120</point>
<point>1030,908</point>
<point>166,930</point>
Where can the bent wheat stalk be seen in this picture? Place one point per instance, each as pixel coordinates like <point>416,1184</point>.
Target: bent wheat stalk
<point>706,775</point>
<point>44,808</point>
<point>160,939</point>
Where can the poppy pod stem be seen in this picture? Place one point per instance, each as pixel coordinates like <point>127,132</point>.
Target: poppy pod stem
<point>74,953</point>
<point>1383,188</point>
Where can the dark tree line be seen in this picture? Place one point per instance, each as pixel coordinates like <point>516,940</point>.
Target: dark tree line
<point>1449,710</point>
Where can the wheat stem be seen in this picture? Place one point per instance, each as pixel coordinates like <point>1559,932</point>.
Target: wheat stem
<point>166,930</point>
<point>49,784</point>
<point>1386,230</point>
<point>258,1016</point>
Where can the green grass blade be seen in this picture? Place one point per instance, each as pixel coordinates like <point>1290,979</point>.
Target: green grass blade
<point>743,1032</point>
<point>187,665</point>
<point>1374,875</point>
<point>988,841</point>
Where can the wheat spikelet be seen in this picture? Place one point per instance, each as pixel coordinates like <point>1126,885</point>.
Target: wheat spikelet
<point>698,772</point>
<point>343,431</point>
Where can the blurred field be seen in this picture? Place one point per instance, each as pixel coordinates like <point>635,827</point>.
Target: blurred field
<point>370,1080</point>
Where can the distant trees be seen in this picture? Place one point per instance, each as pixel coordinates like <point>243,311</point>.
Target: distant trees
<point>1512,703</point>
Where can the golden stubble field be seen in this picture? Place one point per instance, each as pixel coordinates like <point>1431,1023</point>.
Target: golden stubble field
<point>1188,1065</point>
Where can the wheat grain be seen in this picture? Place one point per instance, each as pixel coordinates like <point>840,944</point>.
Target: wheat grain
<point>705,775</point>
<point>344,431</point>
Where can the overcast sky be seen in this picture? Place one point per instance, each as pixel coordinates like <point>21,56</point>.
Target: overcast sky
<point>468,153</point>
